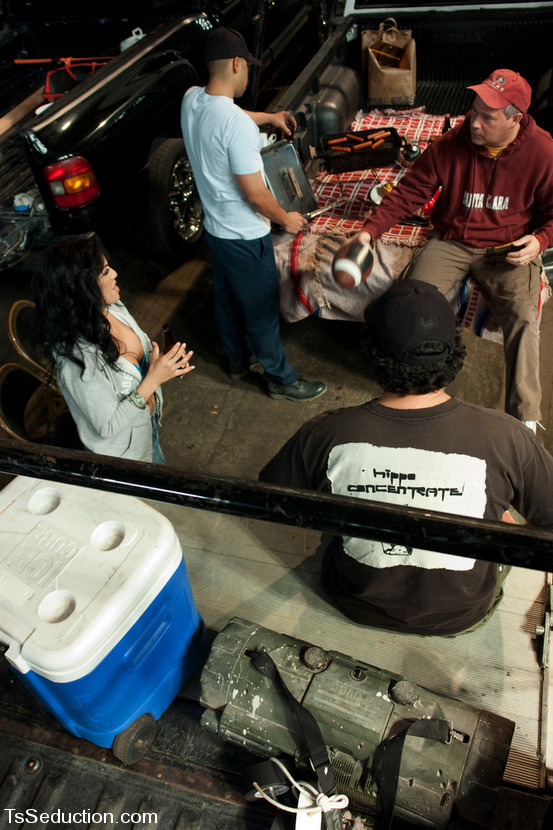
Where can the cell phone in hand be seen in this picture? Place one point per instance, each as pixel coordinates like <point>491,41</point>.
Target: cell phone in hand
<point>508,248</point>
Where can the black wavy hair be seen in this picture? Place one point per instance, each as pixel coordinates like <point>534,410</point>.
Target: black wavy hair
<point>69,304</point>
<point>406,379</point>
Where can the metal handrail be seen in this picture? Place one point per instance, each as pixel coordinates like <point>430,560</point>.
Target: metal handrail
<point>473,538</point>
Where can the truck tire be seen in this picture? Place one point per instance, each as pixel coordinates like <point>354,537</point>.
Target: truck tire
<point>175,213</point>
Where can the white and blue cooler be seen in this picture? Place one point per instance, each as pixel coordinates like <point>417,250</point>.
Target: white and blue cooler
<point>96,609</point>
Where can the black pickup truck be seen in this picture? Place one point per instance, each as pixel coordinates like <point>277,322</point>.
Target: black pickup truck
<point>108,153</point>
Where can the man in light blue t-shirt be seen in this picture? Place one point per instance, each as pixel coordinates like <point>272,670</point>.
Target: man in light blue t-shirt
<point>223,143</point>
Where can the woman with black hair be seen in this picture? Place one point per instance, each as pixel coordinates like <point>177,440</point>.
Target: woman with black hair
<point>108,370</point>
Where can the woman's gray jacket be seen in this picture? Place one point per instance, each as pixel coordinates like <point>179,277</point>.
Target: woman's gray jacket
<point>107,421</point>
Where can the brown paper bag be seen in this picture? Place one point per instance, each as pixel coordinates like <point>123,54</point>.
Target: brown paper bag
<point>389,65</point>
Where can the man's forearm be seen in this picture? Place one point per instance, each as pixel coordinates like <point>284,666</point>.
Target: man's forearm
<point>259,118</point>
<point>266,204</point>
<point>283,120</point>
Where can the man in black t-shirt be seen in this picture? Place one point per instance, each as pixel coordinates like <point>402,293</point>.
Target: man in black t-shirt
<point>417,446</point>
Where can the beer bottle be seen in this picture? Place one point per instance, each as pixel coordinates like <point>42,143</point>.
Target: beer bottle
<point>168,339</point>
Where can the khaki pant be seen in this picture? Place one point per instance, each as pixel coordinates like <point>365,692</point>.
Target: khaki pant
<point>512,294</point>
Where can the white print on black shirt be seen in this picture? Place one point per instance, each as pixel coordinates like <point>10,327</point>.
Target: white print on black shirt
<point>409,477</point>
<point>480,200</point>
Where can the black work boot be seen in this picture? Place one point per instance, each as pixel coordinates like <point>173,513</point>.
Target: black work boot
<point>300,390</point>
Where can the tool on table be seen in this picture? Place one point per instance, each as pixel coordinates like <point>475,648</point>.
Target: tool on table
<point>326,209</point>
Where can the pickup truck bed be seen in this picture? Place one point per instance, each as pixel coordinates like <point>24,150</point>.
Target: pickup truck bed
<point>456,45</point>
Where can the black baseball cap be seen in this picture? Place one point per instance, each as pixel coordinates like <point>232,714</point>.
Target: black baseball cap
<point>223,43</point>
<point>407,315</point>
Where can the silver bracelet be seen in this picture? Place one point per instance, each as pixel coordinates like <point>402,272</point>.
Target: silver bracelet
<point>137,399</point>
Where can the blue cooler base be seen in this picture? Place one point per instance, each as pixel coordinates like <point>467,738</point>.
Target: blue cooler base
<point>142,674</point>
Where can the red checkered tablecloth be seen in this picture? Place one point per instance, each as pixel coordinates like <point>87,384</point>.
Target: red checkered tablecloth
<point>414,124</point>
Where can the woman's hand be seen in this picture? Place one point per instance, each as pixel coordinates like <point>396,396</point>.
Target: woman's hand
<point>173,364</point>
<point>163,367</point>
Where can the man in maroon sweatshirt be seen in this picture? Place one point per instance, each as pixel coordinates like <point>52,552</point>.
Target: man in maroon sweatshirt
<point>492,220</point>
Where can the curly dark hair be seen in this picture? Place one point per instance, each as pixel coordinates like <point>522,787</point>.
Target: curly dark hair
<point>69,304</point>
<point>406,379</point>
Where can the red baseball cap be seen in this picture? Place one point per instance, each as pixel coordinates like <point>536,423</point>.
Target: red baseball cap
<point>504,87</point>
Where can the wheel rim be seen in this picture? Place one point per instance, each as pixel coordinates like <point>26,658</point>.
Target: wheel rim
<point>185,207</point>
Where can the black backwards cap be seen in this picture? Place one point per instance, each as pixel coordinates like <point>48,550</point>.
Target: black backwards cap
<point>223,43</point>
<point>410,313</point>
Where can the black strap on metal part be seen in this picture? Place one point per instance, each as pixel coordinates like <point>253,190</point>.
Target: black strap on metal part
<point>318,752</point>
<point>390,761</point>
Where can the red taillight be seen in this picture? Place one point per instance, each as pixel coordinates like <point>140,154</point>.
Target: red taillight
<point>72,182</point>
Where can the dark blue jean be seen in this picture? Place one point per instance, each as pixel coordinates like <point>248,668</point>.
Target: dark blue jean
<point>157,453</point>
<point>247,306</point>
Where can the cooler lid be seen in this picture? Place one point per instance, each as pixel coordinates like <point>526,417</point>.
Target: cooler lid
<point>78,567</point>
